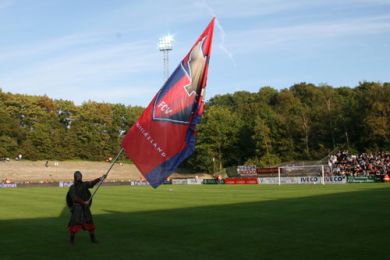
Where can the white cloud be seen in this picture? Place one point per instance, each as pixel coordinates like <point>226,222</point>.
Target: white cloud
<point>23,51</point>
<point>83,63</point>
<point>252,39</point>
<point>221,44</point>
<point>248,8</point>
<point>6,3</point>
<point>150,14</point>
<point>125,92</point>
<point>81,72</point>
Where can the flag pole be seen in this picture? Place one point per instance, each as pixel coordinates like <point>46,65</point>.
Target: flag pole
<point>109,169</point>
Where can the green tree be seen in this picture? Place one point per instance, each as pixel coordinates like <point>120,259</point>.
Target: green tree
<point>262,137</point>
<point>373,107</point>
<point>220,130</point>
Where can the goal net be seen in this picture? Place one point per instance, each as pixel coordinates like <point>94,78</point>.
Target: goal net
<point>308,174</point>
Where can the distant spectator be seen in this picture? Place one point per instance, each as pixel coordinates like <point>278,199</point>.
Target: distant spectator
<point>344,163</point>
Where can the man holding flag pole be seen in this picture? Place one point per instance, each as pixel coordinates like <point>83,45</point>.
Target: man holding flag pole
<point>79,200</point>
<point>164,135</point>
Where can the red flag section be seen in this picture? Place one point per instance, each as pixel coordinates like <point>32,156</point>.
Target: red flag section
<point>164,135</point>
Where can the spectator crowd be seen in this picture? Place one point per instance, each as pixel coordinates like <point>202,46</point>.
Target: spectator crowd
<point>365,164</point>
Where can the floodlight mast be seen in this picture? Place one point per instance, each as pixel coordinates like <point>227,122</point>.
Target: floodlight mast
<point>165,44</point>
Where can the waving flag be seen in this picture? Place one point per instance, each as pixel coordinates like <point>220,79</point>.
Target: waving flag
<point>164,135</point>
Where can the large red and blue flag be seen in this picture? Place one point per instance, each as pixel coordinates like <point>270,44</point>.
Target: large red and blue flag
<point>164,135</point>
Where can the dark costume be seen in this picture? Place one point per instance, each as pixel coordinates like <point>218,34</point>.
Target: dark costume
<point>78,200</point>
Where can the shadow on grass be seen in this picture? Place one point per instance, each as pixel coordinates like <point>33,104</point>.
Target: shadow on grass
<point>353,225</point>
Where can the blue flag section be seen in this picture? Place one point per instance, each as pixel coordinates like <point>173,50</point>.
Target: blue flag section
<point>164,135</point>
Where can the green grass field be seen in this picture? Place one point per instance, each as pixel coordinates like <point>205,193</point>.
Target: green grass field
<point>203,222</point>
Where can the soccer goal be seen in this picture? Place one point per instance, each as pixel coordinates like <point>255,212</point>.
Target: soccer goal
<point>308,174</point>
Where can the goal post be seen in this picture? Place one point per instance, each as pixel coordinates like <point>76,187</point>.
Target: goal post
<point>308,174</point>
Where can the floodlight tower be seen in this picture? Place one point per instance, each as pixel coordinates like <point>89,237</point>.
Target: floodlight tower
<point>165,44</point>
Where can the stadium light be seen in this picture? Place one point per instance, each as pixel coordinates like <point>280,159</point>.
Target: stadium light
<point>165,44</point>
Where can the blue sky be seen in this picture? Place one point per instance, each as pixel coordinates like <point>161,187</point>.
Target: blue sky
<point>107,50</point>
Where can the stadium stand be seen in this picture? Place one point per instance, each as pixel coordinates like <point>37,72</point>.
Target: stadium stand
<point>364,164</point>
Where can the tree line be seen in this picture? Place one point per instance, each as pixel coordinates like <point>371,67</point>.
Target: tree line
<point>303,122</point>
<point>41,128</point>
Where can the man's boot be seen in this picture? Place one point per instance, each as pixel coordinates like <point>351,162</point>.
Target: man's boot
<point>72,239</point>
<point>93,238</point>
